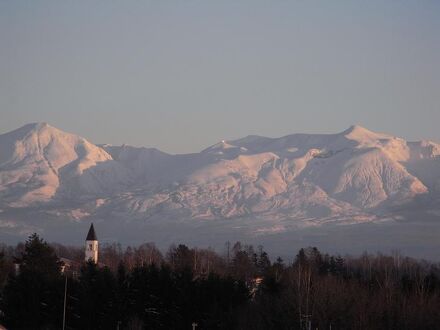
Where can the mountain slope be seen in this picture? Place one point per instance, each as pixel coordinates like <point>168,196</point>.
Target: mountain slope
<point>38,161</point>
<point>295,181</point>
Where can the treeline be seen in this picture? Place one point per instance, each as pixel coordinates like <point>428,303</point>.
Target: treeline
<point>142,288</point>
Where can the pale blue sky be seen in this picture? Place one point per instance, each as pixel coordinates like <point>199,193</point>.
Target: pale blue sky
<point>181,75</point>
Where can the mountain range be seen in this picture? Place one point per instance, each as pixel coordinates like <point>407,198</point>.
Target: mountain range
<point>338,190</point>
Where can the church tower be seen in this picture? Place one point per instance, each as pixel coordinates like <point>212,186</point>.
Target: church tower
<point>91,246</point>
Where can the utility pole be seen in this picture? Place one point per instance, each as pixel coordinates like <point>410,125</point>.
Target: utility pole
<point>299,295</point>
<point>195,260</point>
<point>65,300</point>
<point>307,322</point>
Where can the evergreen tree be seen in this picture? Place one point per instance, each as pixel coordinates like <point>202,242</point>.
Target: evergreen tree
<point>33,299</point>
<point>96,294</point>
<point>5,268</point>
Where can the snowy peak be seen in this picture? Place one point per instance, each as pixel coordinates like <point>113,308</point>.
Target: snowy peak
<point>298,176</point>
<point>36,160</point>
<point>38,127</point>
<point>358,130</point>
<point>354,135</point>
<point>142,163</point>
<point>27,129</point>
<point>363,135</point>
<point>224,148</point>
<point>41,142</point>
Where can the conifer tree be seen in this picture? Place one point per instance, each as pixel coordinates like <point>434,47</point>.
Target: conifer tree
<point>33,298</point>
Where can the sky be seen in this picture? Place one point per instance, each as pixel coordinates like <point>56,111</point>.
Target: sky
<point>183,75</point>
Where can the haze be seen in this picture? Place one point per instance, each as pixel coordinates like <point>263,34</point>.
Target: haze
<point>180,75</point>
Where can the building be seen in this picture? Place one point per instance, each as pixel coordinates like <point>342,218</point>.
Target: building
<point>72,267</point>
<point>91,248</point>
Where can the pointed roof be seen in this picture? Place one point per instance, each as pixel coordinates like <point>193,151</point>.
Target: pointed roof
<point>91,236</point>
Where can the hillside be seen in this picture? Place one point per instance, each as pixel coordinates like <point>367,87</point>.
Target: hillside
<point>247,188</point>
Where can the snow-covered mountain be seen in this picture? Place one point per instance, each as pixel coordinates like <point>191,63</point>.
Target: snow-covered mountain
<point>39,163</point>
<point>275,185</point>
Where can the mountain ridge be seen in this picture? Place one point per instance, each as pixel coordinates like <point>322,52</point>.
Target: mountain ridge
<point>295,181</point>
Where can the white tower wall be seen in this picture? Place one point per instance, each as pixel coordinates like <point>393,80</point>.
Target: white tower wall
<point>91,251</point>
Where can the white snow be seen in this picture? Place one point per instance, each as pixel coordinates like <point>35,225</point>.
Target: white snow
<point>318,177</point>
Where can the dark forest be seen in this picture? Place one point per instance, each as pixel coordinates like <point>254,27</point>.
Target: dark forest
<point>239,288</point>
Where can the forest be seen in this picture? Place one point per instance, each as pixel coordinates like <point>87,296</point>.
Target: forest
<point>191,288</point>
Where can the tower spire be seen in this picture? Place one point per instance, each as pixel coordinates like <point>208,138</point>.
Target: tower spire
<point>91,248</point>
<point>91,236</point>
